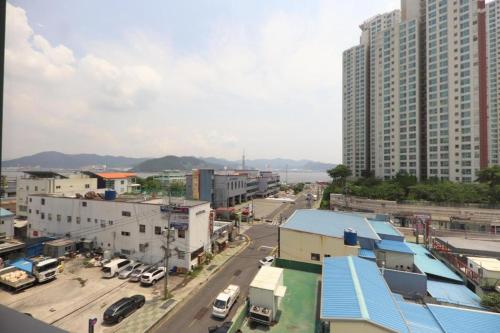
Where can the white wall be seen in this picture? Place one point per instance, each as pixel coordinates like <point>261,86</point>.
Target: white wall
<point>7,226</point>
<point>394,260</point>
<point>70,186</point>
<point>104,222</point>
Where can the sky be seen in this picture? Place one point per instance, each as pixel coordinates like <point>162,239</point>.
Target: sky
<point>188,78</point>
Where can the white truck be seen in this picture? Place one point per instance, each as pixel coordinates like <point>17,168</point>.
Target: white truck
<point>265,294</point>
<point>225,300</point>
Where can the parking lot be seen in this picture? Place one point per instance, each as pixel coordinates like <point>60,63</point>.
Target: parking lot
<point>77,295</point>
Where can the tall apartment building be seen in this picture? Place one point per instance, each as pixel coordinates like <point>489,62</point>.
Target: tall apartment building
<point>493,51</point>
<point>427,91</point>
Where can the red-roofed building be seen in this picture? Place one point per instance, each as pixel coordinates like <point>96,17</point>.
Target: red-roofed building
<point>121,182</point>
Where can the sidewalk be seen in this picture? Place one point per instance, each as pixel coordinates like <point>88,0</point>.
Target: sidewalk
<point>154,310</point>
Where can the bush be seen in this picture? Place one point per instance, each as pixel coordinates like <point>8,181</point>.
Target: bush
<point>491,300</point>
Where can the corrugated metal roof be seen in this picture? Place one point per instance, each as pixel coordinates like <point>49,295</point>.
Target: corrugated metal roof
<point>458,320</point>
<point>453,293</point>
<point>116,175</point>
<point>353,288</point>
<point>394,246</point>
<point>427,264</point>
<point>419,318</point>
<point>5,213</point>
<point>368,254</point>
<point>329,223</point>
<point>385,228</point>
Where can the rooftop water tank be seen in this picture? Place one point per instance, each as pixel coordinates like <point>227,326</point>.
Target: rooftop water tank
<point>350,237</point>
<point>110,195</point>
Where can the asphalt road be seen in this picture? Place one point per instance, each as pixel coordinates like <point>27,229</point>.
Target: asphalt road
<point>195,315</point>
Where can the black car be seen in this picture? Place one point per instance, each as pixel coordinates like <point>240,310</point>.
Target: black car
<point>224,328</point>
<point>121,309</point>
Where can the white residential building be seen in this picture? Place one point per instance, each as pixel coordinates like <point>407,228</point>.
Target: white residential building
<point>136,228</point>
<point>121,182</point>
<point>6,224</point>
<point>47,182</point>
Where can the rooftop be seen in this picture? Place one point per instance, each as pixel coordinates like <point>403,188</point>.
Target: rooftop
<point>116,175</point>
<point>44,174</point>
<point>394,246</point>
<point>490,264</point>
<point>329,223</point>
<point>383,227</point>
<point>60,242</point>
<point>453,293</point>
<point>367,254</point>
<point>267,278</point>
<point>5,213</point>
<point>10,245</point>
<point>458,320</point>
<point>298,307</point>
<point>465,244</point>
<point>429,265</point>
<point>354,289</point>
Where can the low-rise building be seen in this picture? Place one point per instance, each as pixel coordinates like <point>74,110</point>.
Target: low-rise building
<point>230,189</point>
<point>121,182</point>
<point>487,269</point>
<point>269,183</point>
<point>6,223</point>
<point>394,255</point>
<point>8,187</point>
<point>133,227</point>
<point>311,235</point>
<point>48,182</point>
<point>169,177</point>
<point>356,298</point>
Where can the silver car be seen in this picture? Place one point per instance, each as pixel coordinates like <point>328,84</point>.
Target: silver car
<point>135,276</point>
<point>128,270</point>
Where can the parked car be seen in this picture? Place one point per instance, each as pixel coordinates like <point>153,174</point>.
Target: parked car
<point>135,276</point>
<point>151,278</point>
<point>121,309</point>
<point>114,267</point>
<point>128,270</point>
<point>267,261</point>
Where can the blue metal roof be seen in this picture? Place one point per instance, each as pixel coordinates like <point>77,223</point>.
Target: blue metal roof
<point>458,320</point>
<point>419,318</point>
<point>453,293</point>
<point>385,228</point>
<point>329,223</point>
<point>22,264</point>
<point>5,213</point>
<point>427,264</point>
<point>368,254</point>
<point>394,246</point>
<point>353,288</point>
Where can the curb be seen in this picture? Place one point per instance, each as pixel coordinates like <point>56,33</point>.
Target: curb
<point>178,304</point>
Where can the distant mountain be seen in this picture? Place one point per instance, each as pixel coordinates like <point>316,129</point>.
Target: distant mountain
<point>174,163</point>
<point>274,164</point>
<point>56,160</point>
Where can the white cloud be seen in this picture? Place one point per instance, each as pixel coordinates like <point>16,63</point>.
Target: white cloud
<point>274,89</point>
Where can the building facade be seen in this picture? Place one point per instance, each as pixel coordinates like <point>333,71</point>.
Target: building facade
<point>6,224</point>
<point>135,228</point>
<point>432,91</point>
<point>42,182</point>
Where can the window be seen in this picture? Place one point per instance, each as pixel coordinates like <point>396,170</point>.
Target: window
<point>87,185</point>
<point>327,256</point>
<point>181,255</point>
<point>84,203</point>
<point>37,211</point>
<point>315,256</point>
<point>36,188</point>
<point>89,219</point>
<point>58,187</point>
<point>68,219</point>
<point>142,247</point>
<point>125,233</point>
<point>78,220</point>
<point>43,201</point>
<point>49,216</point>
<point>122,182</point>
<point>181,233</point>
<point>58,217</point>
<point>110,222</point>
<point>125,213</point>
<point>157,230</point>
<point>42,216</point>
<point>142,228</point>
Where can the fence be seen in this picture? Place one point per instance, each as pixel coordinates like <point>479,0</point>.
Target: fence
<point>298,266</point>
<point>239,318</point>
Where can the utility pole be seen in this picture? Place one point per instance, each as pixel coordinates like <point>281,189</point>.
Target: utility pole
<point>168,211</point>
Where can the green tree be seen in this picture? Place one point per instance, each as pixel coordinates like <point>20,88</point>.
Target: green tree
<point>490,176</point>
<point>149,184</point>
<point>340,174</point>
<point>405,181</point>
<point>491,300</point>
<point>297,188</point>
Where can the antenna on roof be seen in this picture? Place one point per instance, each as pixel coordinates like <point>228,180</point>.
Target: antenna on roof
<point>243,161</point>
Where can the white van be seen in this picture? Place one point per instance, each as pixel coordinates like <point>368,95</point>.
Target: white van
<point>114,267</point>
<point>225,300</point>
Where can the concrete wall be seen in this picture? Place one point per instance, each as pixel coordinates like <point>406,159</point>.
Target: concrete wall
<point>395,259</point>
<point>346,326</point>
<point>406,283</point>
<point>298,246</point>
<point>70,186</point>
<point>230,189</point>
<point>107,223</point>
<point>7,226</point>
